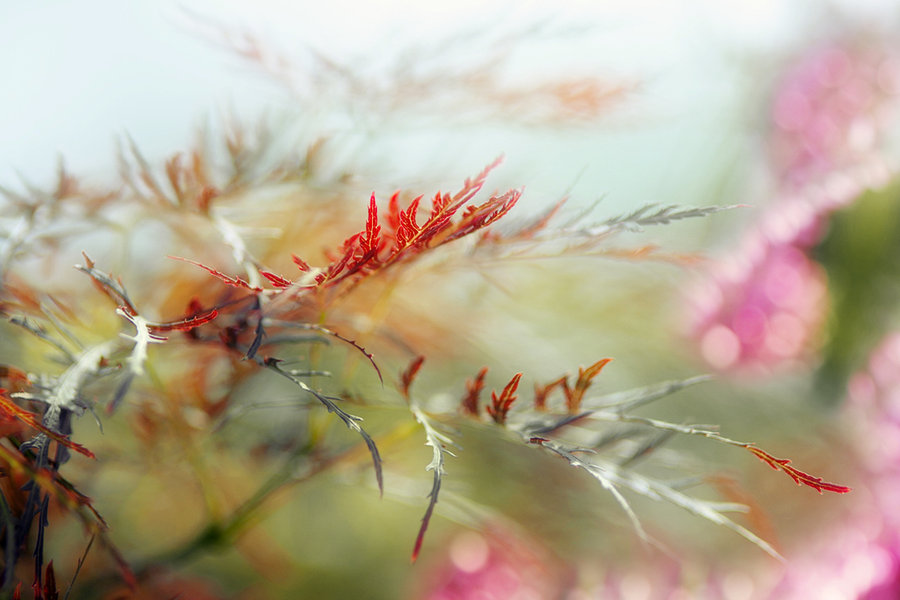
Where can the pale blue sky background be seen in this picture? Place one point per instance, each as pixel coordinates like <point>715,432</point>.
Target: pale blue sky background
<point>76,76</point>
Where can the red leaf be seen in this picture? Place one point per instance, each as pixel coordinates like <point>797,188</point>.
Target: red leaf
<point>195,307</point>
<point>426,520</point>
<point>361,253</point>
<point>393,217</point>
<point>276,280</point>
<point>408,228</point>
<point>336,267</point>
<point>574,395</point>
<point>473,393</point>
<point>16,378</point>
<point>34,421</point>
<point>205,197</point>
<point>233,281</point>
<point>479,217</point>
<point>541,392</point>
<point>411,236</point>
<point>301,264</point>
<point>801,478</point>
<point>585,378</point>
<point>372,234</point>
<point>50,590</point>
<point>407,377</point>
<point>185,324</point>
<point>501,404</point>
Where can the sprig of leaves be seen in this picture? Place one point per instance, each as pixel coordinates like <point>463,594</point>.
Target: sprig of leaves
<point>330,402</point>
<point>438,442</point>
<point>653,214</point>
<point>372,250</point>
<point>549,431</point>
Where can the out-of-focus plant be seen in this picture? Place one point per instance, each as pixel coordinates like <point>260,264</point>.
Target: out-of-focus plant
<point>858,554</point>
<point>764,307</point>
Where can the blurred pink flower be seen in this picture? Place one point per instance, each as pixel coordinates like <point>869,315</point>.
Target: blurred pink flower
<point>760,312</point>
<point>859,557</point>
<point>853,563</point>
<point>873,409</point>
<point>829,108</point>
<point>763,307</point>
<point>482,566</point>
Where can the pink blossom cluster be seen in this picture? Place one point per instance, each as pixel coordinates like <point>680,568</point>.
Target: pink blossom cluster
<point>874,404</point>
<point>492,567</point>
<point>859,555</point>
<point>859,560</point>
<point>758,313</point>
<point>828,109</point>
<point>763,306</point>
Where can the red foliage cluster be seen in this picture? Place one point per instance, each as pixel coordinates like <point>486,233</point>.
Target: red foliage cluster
<point>573,394</point>
<point>372,250</point>
<point>501,404</point>
<point>384,240</point>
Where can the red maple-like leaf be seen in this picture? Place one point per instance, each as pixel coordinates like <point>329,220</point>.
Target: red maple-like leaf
<point>371,237</point>
<point>407,376</point>
<point>585,378</point>
<point>276,280</point>
<point>50,591</point>
<point>801,478</point>
<point>542,392</point>
<point>371,250</point>
<point>479,217</point>
<point>232,281</point>
<point>301,264</point>
<point>185,324</point>
<point>469,403</point>
<point>573,394</point>
<point>501,404</point>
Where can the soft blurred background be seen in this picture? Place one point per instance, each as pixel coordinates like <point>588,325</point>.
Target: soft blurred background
<point>789,110</point>
<point>159,70</point>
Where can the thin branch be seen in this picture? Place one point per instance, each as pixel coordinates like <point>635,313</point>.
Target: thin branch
<point>647,216</point>
<point>351,421</point>
<point>599,473</point>
<point>78,567</point>
<point>438,442</point>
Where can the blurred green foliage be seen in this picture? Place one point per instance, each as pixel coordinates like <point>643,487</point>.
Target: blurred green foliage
<point>861,255</point>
